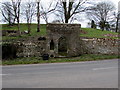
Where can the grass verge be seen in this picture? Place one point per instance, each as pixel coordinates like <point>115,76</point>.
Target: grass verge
<point>38,60</point>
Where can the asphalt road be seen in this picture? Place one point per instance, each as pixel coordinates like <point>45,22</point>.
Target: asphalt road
<point>93,74</point>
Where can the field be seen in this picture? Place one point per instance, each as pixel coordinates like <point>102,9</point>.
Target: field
<point>86,32</point>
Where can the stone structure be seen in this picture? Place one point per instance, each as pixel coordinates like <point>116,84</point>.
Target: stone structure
<point>62,39</point>
<point>101,46</point>
<point>9,33</point>
<point>83,46</point>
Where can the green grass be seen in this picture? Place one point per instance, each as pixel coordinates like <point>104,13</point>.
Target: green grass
<point>90,33</point>
<point>38,60</point>
<point>23,27</point>
<point>97,33</point>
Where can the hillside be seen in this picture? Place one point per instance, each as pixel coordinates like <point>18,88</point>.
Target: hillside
<point>97,33</point>
<point>84,32</point>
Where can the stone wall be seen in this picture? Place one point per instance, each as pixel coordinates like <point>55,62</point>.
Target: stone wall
<point>10,33</point>
<point>100,46</point>
<point>28,49</point>
<point>84,46</point>
<point>32,47</point>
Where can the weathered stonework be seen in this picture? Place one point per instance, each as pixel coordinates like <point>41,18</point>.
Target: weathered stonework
<point>70,32</point>
<point>101,46</point>
<point>32,47</point>
<point>83,46</point>
<point>63,40</point>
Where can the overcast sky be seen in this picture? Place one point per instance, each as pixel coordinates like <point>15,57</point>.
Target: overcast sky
<point>83,22</point>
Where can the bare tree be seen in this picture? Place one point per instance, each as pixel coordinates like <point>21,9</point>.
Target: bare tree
<point>7,13</point>
<point>16,8</point>
<point>101,13</point>
<point>70,8</point>
<point>29,9</point>
<point>46,11</point>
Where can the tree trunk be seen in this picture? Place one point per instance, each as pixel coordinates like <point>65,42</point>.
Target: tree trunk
<point>38,17</point>
<point>18,28</point>
<point>116,29</point>
<point>66,20</point>
<point>29,28</point>
<point>18,20</point>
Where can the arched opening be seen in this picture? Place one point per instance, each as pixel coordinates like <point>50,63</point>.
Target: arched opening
<point>62,46</point>
<point>51,45</point>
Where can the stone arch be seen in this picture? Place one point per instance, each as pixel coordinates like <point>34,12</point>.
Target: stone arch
<point>62,46</point>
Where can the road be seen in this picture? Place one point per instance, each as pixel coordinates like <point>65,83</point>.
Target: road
<point>90,74</point>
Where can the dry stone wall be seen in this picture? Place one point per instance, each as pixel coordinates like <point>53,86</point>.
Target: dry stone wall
<point>84,46</point>
<point>31,47</point>
<point>101,46</point>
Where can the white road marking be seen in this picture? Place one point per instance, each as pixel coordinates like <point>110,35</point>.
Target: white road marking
<point>104,68</point>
